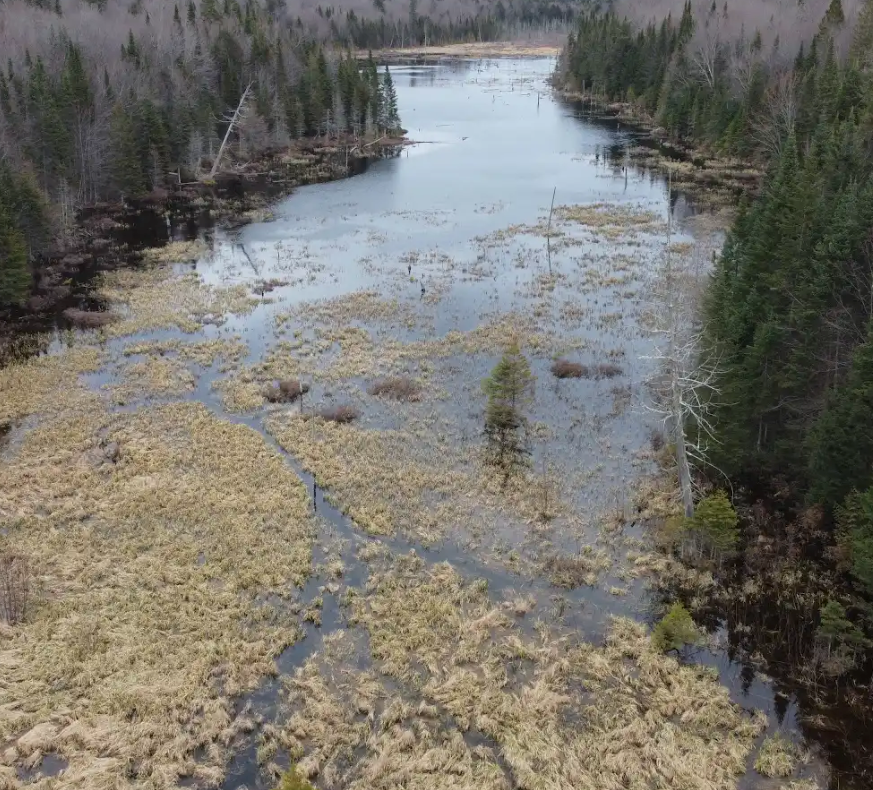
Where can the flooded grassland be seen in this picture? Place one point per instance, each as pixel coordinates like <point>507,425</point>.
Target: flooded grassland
<point>257,513</point>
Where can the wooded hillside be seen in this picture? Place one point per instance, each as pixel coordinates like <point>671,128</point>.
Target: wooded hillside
<point>789,311</point>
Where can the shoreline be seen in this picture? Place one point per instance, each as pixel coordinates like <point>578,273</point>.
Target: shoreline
<point>478,49</point>
<point>714,180</point>
<point>112,235</point>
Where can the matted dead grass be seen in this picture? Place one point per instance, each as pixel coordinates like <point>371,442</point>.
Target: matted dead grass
<point>204,352</point>
<point>503,708</point>
<point>48,383</point>
<point>151,562</point>
<point>420,481</point>
<point>153,376</point>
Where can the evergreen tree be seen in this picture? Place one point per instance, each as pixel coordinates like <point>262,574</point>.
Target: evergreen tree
<point>126,164</point>
<point>15,277</point>
<point>509,389</point>
<point>392,115</point>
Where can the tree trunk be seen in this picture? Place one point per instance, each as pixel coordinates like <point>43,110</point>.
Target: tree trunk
<point>681,454</point>
<point>233,122</point>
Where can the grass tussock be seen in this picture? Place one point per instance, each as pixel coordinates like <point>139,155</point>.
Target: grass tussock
<point>400,388</point>
<point>580,570</point>
<point>776,757</point>
<point>564,369</point>
<point>147,625</point>
<point>204,352</point>
<point>341,414</point>
<point>544,711</point>
<point>162,376</point>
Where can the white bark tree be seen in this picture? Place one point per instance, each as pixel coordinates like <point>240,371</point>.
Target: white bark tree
<point>684,388</point>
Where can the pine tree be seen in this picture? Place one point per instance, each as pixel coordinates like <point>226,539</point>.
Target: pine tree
<point>855,519</point>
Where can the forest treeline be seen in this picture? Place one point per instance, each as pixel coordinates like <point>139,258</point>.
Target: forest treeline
<point>103,100</point>
<point>788,316</point>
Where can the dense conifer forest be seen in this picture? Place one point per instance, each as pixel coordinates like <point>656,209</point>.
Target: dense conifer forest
<point>788,316</point>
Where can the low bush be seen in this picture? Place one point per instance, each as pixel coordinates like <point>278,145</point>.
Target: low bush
<point>341,414</point>
<point>607,370</point>
<point>675,630</point>
<point>88,319</point>
<point>564,369</point>
<point>398,388</point>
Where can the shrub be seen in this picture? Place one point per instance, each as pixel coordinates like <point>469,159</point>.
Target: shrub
<point>564,369</point>
<point>286,391</point>
<point>607,370</point>
<point>88,319</point>
<point>343,413</point>
<point>15,576</point>
<point>675,630</point>
<point>397,387</point>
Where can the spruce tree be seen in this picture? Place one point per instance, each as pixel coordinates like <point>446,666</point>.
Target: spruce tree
<point>509,390</point>
<point>15,278</point>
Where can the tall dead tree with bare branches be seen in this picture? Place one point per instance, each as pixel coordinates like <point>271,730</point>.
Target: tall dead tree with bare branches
<point>684,387</point>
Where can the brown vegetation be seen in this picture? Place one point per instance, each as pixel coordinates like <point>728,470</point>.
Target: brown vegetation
<point>89,319</point>
<point>341,414</point>
<point>607,370</point>
<point>285,391</point>
<point>482,706</point>
<point>564,369</point>
<point>397,388</point>
<point>576,571</point>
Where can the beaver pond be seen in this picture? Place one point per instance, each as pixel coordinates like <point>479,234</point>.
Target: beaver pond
<point>259,522</point>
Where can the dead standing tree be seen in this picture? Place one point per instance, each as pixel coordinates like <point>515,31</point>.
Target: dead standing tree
<point>685,387</point>
<point>233,122</point>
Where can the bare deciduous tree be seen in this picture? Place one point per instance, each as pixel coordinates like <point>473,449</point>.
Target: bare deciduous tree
<point>684,387</point>
<point>233,121</point>
<point>774,125</point>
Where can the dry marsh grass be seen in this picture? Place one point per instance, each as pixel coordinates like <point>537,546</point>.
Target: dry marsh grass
<point>776,757</point>
<point>153,376</point>
<point>482,705</point>
<point>156,298</point>
<point>148,622</point>
<point>48,383</point>
<point>420,481</point>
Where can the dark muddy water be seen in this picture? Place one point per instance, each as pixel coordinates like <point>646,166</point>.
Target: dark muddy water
<point>493,146</point>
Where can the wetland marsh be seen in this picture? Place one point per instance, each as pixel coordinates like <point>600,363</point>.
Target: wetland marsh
<point>226,584</point>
